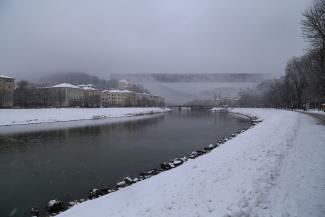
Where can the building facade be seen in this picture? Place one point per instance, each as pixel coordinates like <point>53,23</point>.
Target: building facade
<point>7,89</point>
<point>68,95</point>
<point>114,98</point>
<point>61,95</point>
<point>91,97</point>
<point>65,95</point>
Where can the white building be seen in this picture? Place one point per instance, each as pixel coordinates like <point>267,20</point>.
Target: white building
<point>91,96</point>
<point>118,98</point>
<point>66,95</point>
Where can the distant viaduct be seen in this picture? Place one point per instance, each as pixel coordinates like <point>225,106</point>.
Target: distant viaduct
<point>192,77</point>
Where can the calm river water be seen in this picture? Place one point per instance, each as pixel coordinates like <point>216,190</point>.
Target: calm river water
<point>38,166</point>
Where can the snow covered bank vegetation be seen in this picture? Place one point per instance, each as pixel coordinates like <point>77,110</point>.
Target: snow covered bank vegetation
<point>274,169</point>
<point>35,116</point>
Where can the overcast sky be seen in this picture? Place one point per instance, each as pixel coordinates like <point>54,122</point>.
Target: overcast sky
<point>99,37</point>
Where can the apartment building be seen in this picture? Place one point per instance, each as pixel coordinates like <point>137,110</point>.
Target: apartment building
<point>91,96</point>
<point>65,95</point>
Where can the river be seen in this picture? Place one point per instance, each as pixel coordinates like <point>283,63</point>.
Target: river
<point>66,163</point>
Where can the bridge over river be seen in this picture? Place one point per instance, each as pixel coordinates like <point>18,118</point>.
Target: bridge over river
<point>192,77</point>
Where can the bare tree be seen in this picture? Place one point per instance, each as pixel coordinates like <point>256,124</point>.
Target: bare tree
<point>313,27</point>
<point>296,77</point>
<point>313,23</point>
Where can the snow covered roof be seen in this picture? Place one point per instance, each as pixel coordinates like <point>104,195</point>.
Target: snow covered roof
<point>88,88</point>
<point>86,85</point>
<point>5,76</point>
<point>66,85</point>
<point>117,91</point>
<point>120,91</point>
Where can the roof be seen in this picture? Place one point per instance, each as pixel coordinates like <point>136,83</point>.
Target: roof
<point>88,88</point>
<point>86,85</point>
<point>5,76</point>
<point>120,91</point>
<point>66,85</point>
<point>117,91</point>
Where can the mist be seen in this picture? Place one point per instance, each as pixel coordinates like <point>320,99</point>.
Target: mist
<point>39,37</point>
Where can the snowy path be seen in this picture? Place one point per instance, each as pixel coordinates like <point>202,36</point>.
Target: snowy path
<point>300,189</point>
<point>274,169</point>
<point>35,116</point>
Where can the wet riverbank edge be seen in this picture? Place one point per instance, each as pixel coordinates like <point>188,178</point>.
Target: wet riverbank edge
<point>56,206</point>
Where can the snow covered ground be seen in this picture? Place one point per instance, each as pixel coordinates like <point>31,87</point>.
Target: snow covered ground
<point>275,169</point>
<point>35,116</point>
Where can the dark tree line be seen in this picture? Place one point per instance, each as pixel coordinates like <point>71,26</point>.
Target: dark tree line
<point>304,81</point>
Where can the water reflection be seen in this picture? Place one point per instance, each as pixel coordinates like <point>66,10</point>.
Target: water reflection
<point>22,140</point>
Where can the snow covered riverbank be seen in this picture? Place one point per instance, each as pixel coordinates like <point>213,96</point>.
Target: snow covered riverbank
<point>36,116</point>
<point>276,168</point>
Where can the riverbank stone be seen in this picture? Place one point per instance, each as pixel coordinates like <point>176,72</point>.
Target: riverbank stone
<point>201,152</point>
<point>209,147</point>
<point>152,172</point>
<point>165,166</point>
<point>34,212</point>
<point>55,206</point>
<point>121,184</point>
<point>105,191</point>
<point>128,180</point>
<point>72,203</point>
<point>177,162</point>
<point>193,155</point>
<point>94,193</point>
